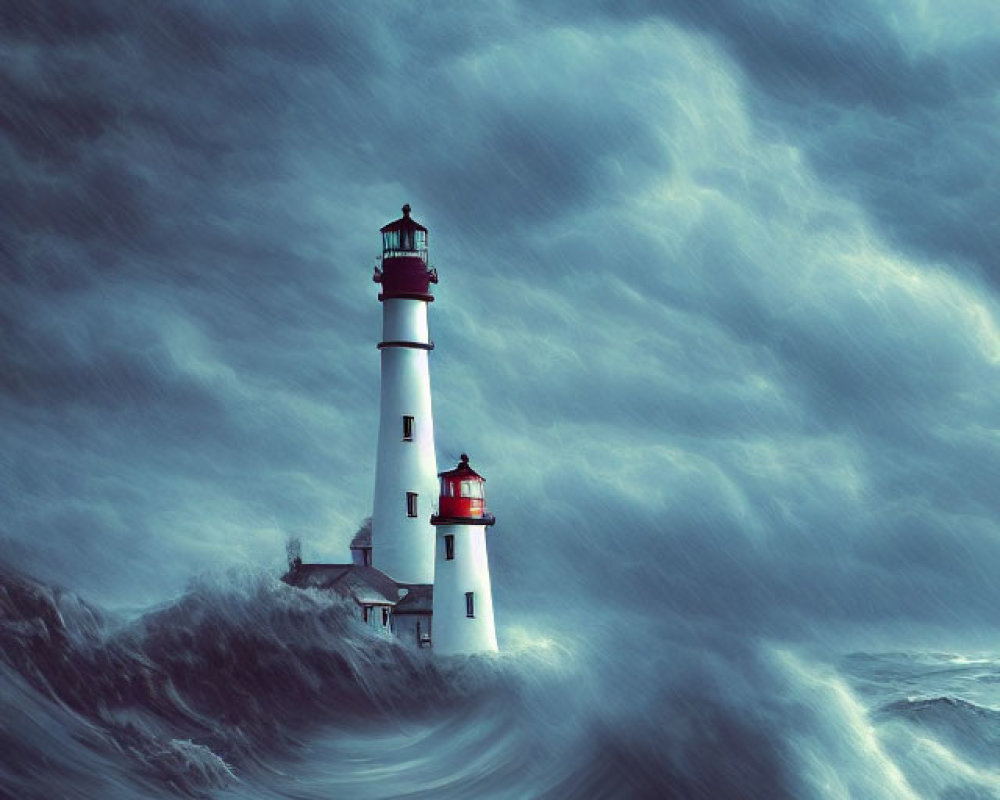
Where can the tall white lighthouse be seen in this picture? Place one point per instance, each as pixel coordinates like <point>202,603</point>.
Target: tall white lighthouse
<point>463,597</point>
<point>406,467</point>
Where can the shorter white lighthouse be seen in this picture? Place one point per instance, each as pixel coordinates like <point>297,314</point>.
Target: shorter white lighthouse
<point>463,599</point>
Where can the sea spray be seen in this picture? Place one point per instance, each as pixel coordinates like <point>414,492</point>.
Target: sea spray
<point>246,688</point>
<point>235,672</point>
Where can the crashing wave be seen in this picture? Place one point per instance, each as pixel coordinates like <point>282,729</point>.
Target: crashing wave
<point>234,671</point>
<point>964,726</point>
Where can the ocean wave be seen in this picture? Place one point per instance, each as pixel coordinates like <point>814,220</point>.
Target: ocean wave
<point>237,670</point>
<point>940,707</point>
<point>246,688</point>
<point>963,726</point>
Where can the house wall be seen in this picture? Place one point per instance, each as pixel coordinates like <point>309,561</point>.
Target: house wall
<point>374,621</point>
<point>405,627</point>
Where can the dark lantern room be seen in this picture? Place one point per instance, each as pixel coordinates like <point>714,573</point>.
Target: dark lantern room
<point>404,271</point>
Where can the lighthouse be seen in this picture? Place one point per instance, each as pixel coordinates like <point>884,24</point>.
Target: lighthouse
<point>402,543</point>
<point>419,572</point>
<point>463,599</point>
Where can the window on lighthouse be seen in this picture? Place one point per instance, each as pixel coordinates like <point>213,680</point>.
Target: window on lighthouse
<point>472,489</point>
<point>407,429</point>
<point>411,504</point>
<point>449,547</point>
<point>470,604</point>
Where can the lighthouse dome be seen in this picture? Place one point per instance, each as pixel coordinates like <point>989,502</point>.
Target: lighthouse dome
<point>463,495</point>
<point>405,237</point>
<point>404,272</point>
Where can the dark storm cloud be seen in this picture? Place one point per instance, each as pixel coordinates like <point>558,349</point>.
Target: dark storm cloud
<point>146,259</point>
<point>804,51</point>
<point>907,129</point>
<point>694,374</point>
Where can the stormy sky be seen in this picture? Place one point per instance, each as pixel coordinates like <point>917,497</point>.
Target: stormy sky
<point>718,315</point>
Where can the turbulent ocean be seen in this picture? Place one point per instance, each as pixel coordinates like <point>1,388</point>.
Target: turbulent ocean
<point>247,688</point>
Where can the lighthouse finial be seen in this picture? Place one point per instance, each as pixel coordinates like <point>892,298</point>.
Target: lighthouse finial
<point>464,459</point>
<point>406,210</point>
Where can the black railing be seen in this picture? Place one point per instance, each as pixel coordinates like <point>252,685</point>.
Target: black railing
<point>485,519</point>
<point>422,254</point>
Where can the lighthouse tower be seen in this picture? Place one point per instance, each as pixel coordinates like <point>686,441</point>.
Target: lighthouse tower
<point>405,468</point>
<point>463,599</point>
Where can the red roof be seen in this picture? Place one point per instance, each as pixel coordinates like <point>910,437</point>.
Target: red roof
<point>463,470</point>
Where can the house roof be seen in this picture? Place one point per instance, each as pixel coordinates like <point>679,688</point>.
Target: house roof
<point>419,599</point>
<point>365,585</point>
<point>368,586</point>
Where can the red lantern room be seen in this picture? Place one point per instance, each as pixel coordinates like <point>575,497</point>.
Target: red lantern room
<point>463,499</point>
<point>404,271</point>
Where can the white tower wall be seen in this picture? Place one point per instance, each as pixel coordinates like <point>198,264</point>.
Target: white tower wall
<point>468,571</point>
<point>403,545</point>
<point>404,320</point>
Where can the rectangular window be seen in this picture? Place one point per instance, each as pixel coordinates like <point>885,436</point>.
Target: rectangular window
<point>470,604</point>
<point>449,547</point>
<point>364,613</point>
<point>385,616</point>
<point>407,429</point>
<point>411,504</point>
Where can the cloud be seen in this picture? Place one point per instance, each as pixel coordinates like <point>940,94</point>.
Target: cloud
<point>702,362</point>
